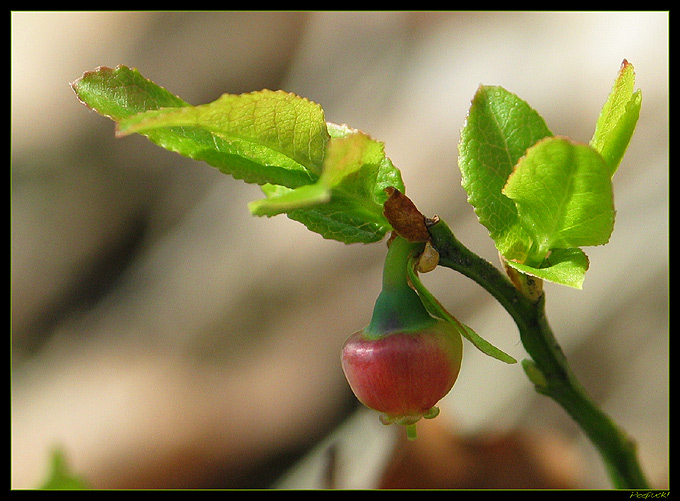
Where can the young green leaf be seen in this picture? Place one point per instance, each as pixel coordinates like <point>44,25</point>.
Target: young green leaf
<point>329,177</point>
<point>139,105</point>
<point>563,194</point>
<point>346,203</point>
<point>341,220</point>
<point>618,118</point>
<point>263,125</point>
<point>383,174</point>
<point>261,137</point>
<point>499,129</point>
<point>122,92</point>
<point>281,199</point>
<point>345,157</point>
<point>562,266</point>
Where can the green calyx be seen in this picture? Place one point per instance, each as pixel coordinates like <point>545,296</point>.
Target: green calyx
<point>398,307</point>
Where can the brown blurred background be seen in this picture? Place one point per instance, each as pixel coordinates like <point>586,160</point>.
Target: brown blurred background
<point>163,337</point>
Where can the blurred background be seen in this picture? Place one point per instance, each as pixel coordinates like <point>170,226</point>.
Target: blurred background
<point>164,338</point>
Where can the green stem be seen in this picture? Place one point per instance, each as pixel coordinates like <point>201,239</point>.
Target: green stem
<point>398,307</point>
<point>618,451</point>
<point>395,275</point>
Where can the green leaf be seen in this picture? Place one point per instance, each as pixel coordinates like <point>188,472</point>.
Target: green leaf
<point>499,129</point>
<point>267,127</point>
<point>281,199</point>
<point>563,194</point>
<point>282,140</point>
<point>345,157</point>
<point>435,308</point>
<point>60,476</point>
<point>263,137</point>
<point>122,92</point>
<point>340,220</point>
<point>346,203</point>
<point>329,177</point>
<point>562,266</point>
<point>618,118</point>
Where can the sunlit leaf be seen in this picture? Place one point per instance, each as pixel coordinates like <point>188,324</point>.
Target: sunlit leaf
<point>262,126</point>
<point>618,118</point>
<point>562,266</point>
<point>346,203</point>
<point>499,129</point>
<point>332,178</point>
<point>563,194</point>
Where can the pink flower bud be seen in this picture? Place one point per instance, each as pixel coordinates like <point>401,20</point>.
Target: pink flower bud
<point>403,374</point>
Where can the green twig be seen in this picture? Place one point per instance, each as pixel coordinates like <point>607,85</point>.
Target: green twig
<point>549,370</point>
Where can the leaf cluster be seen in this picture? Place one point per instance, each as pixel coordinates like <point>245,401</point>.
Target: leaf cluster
<point>330,177</point>
<point>543,197</point>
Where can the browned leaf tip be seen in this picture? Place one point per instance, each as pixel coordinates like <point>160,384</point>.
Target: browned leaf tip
<point>405,217</point>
